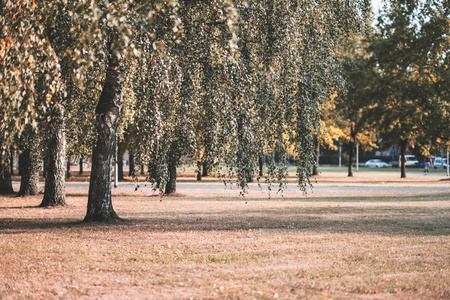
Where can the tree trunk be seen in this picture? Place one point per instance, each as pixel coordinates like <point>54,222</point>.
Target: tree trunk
<point>171,186</point>
<point>317,154</point>
<point>5,171</point>
<point>20,167</point>
<point>403,145</point>
<point>81,166</point>
<point>351,150</point>
<point>11,156</point>
<point>99,208</point>
<point>351,154</point>
<point>199,171</point>
<point>68,168</point>
<point>55,182</point>
<point>29,165</point>
<point>131,165</point>
<point>120,167</point>
<point>205,169</point>
<point>261,165</point>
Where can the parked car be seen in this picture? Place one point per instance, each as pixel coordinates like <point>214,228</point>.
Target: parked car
<point>409,160</point>
<point>418,164</point>
<point>394,163</point>
<point>376,163</point>
<point>439,162</point>
<point>361,164</point>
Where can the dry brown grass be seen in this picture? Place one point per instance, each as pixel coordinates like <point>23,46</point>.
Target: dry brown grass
<point>210,244</point>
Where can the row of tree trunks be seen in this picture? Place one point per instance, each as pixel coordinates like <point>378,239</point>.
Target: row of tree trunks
<point>80,164</point>
<point>99,208</point>
<point>202,170</point>
<point>55,182</point>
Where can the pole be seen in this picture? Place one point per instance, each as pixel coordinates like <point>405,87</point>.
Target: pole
<point>116,167</point>
<point>357,158</point>
<point>448,164</point>
<point>340,153</point>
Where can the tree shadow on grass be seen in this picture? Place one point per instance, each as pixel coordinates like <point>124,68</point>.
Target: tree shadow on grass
<point>19,207</point>
<point>425,197</point>
<point>391,220</point>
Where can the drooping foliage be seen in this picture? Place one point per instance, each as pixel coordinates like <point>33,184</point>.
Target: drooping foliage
<point>224,81</point>
<point>264,98</point>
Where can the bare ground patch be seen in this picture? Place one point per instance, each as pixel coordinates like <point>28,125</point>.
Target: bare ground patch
<point>387,246</point>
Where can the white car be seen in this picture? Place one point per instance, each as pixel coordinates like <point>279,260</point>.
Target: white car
<point>376,163</point>
<point>409,160</point>
<point>439,162</point>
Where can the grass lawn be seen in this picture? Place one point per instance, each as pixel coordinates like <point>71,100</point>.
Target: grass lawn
<point>397,170</point>
<point>188,247</point>
<point>292,170</point>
